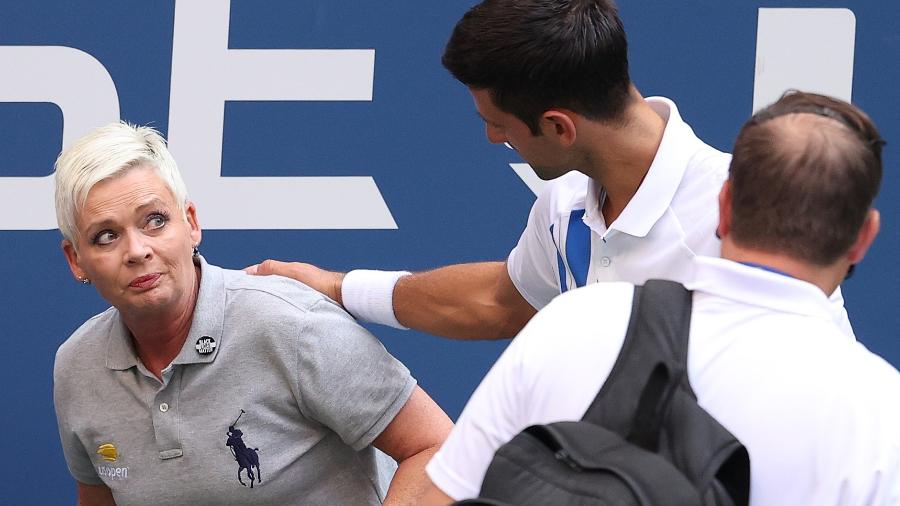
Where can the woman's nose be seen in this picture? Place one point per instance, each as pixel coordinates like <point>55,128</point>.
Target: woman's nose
<point>138,248</point>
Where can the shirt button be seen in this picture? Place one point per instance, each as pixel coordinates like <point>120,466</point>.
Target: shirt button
<point>605,261</point>
<point>164,407</point>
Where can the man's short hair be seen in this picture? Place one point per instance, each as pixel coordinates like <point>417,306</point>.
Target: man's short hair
<point>533,55</point>
<point>804,175</point>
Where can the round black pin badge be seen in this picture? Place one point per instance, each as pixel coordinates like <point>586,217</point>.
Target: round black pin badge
<point>205,345</point>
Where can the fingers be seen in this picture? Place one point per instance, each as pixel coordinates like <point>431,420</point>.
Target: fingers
<point>326,282</point>
<point>267,268</point>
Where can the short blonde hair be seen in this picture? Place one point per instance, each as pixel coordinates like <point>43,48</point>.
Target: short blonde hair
<point>105,153</point>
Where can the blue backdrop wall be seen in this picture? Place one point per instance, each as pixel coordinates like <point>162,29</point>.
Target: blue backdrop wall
<point>444,195</point>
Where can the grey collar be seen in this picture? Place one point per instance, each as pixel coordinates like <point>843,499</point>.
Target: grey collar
<point>208,324</point>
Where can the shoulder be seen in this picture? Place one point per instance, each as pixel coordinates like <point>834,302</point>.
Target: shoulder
<point>707,169</point>
<point>555,366</point>
<point>275,305</point>
<point>696,201</point>
<point>83,355</point>
<point>705,174</point>
<point>846,398</point>
<point>88,342</point>
<point>272,296</point>
<point>550,372</point>
<point>852,413</point>
<point>562,195</point>
<point>704,163</point>
<point>832,384</point>
<point>865,378</point>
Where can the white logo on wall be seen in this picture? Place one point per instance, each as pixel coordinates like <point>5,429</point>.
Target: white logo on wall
<point>810,49</point>
<point>205,74</point>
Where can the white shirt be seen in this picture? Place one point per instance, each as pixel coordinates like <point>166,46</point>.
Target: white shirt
<point>671,219</point>
<point>818,413</point>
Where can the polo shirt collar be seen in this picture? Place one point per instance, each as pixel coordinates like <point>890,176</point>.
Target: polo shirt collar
<point>759,287</point>
<point>655,193</point>
<point>208,322</point>
<point>120,352</point>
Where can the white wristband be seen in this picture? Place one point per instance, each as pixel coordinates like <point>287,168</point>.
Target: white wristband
<point>369,295</point>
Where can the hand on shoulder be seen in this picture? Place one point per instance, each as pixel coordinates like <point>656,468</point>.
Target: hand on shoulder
<point>325,282</point>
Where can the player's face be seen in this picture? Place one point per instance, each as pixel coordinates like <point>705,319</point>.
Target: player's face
<point>135,244</point>
<point>542,152</point>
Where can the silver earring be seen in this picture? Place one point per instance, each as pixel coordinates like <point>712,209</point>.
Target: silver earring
<point>84,281</point>
<point>196,252</point>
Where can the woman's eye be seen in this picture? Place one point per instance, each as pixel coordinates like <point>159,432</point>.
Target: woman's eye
<point>104,237</point>
<point>156,221</point>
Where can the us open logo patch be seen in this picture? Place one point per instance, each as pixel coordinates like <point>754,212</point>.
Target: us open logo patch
<point>110,453</point>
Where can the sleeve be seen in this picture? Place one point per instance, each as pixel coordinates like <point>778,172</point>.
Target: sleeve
<point>532,264</point>
<point>347,379</point>
<point>79,462</point>
<point>550,372</point>
<point>490,419</point>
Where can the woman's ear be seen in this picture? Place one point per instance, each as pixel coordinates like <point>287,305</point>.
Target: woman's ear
<point>190,213</point>
<point>72,257</point>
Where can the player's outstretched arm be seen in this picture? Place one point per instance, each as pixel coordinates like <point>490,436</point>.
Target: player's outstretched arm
<point>464,301</point>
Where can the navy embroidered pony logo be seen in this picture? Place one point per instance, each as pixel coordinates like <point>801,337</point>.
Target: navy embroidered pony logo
<point>246,458</point>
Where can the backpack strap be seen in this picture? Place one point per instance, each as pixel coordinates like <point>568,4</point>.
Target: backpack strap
<point>648,400</point>
<point>651,364</point>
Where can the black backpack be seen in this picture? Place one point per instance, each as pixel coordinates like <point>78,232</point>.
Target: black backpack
<point>644,440</point>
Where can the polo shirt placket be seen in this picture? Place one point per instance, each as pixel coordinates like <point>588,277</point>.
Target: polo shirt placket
<point>163,408</point>
<point>165,416</point>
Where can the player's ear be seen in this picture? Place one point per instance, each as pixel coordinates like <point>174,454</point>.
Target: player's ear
<point>559,124</point>
<point>724,226</point>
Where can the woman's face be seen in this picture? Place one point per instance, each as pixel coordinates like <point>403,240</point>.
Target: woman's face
<point>135,245</point>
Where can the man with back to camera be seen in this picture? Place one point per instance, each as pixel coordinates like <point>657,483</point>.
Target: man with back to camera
<point>818,413</point>
<point>633,195</point>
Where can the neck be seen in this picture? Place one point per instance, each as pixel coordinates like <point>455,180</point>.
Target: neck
<point>159,336</point>
<point>827,278</point>
<point>618,155</point>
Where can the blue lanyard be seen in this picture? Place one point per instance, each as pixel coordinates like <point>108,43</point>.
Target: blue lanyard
<point>766,268</point>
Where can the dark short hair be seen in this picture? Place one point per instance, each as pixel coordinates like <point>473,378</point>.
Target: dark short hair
<point>804,174</point>
<point>533,55</point>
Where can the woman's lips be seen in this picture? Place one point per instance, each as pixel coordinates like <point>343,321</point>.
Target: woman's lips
<point>145,281</point>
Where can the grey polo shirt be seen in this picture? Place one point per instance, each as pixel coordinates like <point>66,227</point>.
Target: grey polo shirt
<point>314,387</point>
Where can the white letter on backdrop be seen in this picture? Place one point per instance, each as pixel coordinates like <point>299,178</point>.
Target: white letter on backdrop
<point>84,92</point>
<point>206,74</point>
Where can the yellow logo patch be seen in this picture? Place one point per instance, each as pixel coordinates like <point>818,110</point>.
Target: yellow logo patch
<point>108,451</point>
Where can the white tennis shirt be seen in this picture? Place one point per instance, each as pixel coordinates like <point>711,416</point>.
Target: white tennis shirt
<point>818,413</point>
<point>671,219</point>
